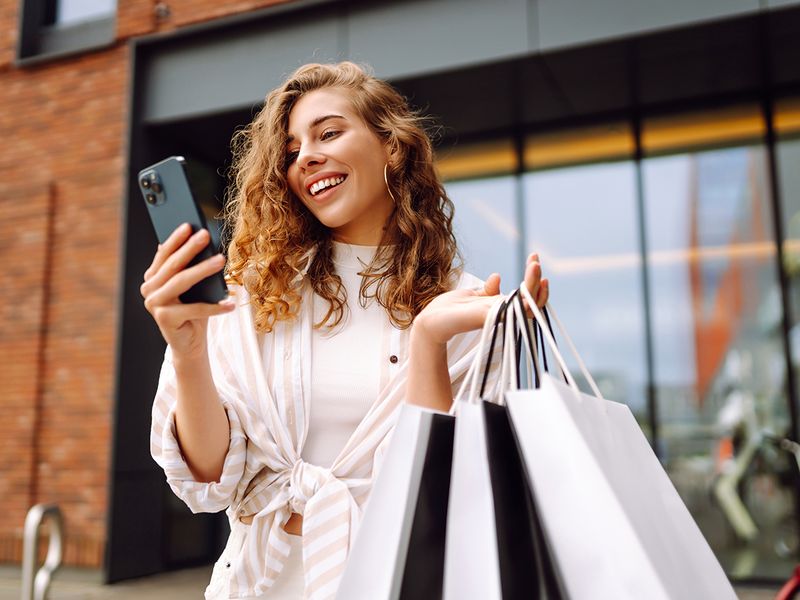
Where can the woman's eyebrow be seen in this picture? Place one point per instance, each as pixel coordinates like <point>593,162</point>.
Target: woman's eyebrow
<point>316,122</point>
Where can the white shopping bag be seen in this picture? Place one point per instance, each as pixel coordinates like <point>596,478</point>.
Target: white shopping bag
<point>615,524</point>
<point>399,547</point>
<point>494,548</point>
<point>471,554</point>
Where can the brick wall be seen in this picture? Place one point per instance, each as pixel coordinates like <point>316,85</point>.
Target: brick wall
<point>62,174</point>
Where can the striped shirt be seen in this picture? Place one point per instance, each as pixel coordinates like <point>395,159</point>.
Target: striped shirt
<point>261,380</point>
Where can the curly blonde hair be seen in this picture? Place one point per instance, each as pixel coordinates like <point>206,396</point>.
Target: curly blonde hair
<point>274,237</point>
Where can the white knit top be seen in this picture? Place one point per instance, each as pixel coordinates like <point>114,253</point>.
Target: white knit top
<point>348,362</point>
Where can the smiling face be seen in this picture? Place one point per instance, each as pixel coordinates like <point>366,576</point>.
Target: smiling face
<point>335,167</point>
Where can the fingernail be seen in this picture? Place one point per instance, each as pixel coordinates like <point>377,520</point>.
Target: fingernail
<point>227,303</point>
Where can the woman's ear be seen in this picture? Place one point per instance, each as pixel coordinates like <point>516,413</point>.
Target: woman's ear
<point>392,154</point>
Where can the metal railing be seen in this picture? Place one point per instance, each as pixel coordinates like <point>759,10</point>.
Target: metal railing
<point>36,582</point>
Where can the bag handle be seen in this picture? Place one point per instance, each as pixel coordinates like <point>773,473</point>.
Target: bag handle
<point>516,334</point>
<point>509,376</point>
<point>512,317</point>
<point>489,330</point>
<point>500,315</point>
<point>524,332</point>
<point>534,341</point>
<point>554,349</point>
<point>522,324</point>
<point>509,359</point>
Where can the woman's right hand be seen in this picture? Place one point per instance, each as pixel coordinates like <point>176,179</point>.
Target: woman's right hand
<point>182,325</point>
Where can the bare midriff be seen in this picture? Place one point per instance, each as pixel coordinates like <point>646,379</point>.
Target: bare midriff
<point>293,526</point>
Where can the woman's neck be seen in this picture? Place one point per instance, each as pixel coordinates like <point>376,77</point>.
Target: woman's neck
<point>373,236</point>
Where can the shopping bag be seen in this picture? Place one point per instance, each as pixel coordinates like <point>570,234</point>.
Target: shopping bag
<point>398,552</point>
<point>613,521</point>
<point>494,548</point>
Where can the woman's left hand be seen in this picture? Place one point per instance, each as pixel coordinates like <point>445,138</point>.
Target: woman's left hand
<point>459,311</point>
<point>449,314</point>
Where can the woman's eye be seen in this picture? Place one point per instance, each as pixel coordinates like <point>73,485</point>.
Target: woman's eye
<point>326,135</point>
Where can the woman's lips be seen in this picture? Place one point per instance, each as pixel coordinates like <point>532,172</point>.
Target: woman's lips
<point>322,196</point>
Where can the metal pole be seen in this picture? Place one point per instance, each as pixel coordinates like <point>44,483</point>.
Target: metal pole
<point>36,582</point>
<point>636,119</point>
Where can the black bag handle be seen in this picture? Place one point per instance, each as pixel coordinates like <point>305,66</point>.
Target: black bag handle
<point>531,338</point>
<point>500,319</point>
<point>536,339</point>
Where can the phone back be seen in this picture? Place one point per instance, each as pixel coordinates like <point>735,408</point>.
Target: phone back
<point>170,203</point>
<point>169,197</point>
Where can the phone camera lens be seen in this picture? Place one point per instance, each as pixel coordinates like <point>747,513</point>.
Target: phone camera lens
<point>151,198</point>
<point>145,183</point>
<point>157,187</point>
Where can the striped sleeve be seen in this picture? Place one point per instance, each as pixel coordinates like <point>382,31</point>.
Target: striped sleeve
<point>164,447</point>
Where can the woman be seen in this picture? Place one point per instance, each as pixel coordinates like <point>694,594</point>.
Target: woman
<point>345,303</point>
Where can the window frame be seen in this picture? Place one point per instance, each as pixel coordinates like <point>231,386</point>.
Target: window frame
<point>39,41</point>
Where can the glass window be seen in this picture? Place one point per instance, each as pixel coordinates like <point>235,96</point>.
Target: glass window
<point>583,223</point>
<point>54,28</point>
<point>787,123</point>
<point>486,227</point>
<point>688,130</point>
<point>496,157</point>
<point>604,142</point>
<point>787,154</point>
<point>718,352</point>
<point>715,303</point>
<point>69,12</point>
<point>787,116</point>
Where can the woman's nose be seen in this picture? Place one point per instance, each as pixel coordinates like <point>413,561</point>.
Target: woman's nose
<point>308,157</point>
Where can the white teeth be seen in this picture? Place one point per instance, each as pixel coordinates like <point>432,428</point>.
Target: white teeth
<point>323,184</point>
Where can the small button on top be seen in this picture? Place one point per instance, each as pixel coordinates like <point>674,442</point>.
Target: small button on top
<point>393,359</point>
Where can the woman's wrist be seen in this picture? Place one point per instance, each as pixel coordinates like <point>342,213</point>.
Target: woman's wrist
<point>188,363</point>
<point>422,336</point>
<point>428,377</point>
<point>421,344</point>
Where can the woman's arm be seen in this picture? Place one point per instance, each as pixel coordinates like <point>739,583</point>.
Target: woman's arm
<point>447,315</point>
<point>201,423</point>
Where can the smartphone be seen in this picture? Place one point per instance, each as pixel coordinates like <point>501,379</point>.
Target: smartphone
<point>168,196</point>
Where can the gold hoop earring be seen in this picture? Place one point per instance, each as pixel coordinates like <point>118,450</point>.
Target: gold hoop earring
<point>386,179</point>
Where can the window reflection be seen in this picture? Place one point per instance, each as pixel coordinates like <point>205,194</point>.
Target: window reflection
<point>481,159</point>
<point>68,12</point>
<point>717,350</point>
<point>582,222</point>
<point>702,129</point>
<point>486,228</point>
<point>715,303</point>
<point>788,157</point>
<point>604,142</point>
